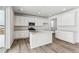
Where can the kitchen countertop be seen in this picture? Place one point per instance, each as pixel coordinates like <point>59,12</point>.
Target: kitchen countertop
<point>38,32</point>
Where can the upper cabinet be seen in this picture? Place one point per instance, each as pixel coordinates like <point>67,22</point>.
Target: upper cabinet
<point>24,21</point>
<point>38,22</point>
<point>2,17</point>
<point>66,19</point>
<point>21,21</point>
<point>59,20</point>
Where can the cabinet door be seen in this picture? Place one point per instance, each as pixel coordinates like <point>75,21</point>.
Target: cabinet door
<point>26,21</point>
<point>16,34</point>
<point>2,17</point>
<point>24,34</point>
<point>68,19</point>
<point>59,20</point>
<point>17,20</point>
<point>21,21</point>
<point>21,34</point>
<point>38,22</point>
<point>66,36</point>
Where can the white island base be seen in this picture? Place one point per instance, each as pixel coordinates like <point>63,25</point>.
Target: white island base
<point>40,38</point>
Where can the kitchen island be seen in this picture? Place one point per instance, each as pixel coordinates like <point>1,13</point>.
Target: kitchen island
<point>40,38</point>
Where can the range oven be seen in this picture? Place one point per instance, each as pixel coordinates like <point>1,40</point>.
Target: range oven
<point>31,26</point>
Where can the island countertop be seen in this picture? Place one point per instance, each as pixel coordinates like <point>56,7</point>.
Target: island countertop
<point>39,32</point>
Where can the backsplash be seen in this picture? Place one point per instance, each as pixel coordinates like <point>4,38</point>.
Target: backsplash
<point>36,27</point>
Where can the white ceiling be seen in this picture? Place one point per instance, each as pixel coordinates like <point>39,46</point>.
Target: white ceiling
<point>44,11</point>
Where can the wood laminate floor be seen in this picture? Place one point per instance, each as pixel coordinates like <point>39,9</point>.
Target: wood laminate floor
<point>58,46</point>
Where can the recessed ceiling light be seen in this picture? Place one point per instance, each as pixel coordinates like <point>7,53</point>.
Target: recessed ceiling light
<point>38,12</point>
<point>64,9</point>
<point>21,9</point>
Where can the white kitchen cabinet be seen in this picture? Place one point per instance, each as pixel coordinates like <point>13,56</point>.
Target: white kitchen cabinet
<point>59,20</point>
<point>25,21</point>
<point>16,21</point>
<point>41,22</point>
<point>38,22</point>
<point>21,21</point>
<point>2,17</point>
<point>68,19</point>
<point>21,34</point>
<point>65,35</point>
<point>66,26</point>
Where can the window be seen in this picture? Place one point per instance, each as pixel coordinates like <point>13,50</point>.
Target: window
<point>52,23</point>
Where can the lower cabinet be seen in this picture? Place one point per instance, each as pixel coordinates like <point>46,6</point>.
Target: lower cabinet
<point>65,35</point>
<point>21,34</point>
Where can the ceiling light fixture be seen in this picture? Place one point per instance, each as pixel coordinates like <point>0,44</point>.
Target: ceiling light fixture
<point>21,9</point>
<point>64,9</point>
<point>38,12</point>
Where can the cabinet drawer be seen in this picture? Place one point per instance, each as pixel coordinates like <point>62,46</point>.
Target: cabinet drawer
<point>21,34</point>
<point>66,36</point>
